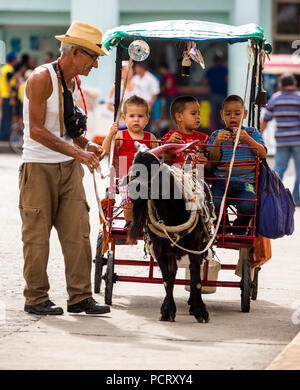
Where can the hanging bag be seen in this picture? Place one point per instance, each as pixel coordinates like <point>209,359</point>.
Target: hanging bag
<point>276,207</point>
<point>262,251</point>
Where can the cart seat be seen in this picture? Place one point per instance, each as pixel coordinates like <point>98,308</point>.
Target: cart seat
<point>234,241</point>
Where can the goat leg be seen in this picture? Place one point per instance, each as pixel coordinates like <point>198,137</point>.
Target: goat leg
<point>197,306</point>
<point>168,307</point>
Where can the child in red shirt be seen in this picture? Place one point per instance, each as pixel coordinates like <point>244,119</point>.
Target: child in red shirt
<point>136,116</point>
<point>185,112</point>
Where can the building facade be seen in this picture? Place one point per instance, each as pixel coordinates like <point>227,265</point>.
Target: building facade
<point>28,26</point>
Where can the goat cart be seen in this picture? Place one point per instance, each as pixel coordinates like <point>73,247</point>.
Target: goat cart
<point>187,35</point>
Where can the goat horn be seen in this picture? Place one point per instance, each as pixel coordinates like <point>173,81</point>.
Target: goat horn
<point>140,147</point>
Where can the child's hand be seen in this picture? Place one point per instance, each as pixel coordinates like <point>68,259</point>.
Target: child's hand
<point>176,138</point>
<point>244,136</point>
<point>203,158</point>
<point>223,135</point>
<point>114,128</point>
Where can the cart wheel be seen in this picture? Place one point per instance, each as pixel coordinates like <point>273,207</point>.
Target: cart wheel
<point>245,282</point>
<point>99,262</point>
<point>255,284</point>
<point>110,278</point>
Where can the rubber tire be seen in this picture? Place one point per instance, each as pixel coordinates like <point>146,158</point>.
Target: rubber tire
<point>255,284</point>
<point>245,284</point>
<point>109,278</point>
<point>98,263</point>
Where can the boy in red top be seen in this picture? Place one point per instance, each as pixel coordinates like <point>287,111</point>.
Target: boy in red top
<point>185,111</point>
<point>136,116</point>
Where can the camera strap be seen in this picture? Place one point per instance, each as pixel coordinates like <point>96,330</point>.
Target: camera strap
<point>62,85</point>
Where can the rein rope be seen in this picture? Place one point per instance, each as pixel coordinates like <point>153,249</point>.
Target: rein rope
<point>166,229</point>
<point>112,145</point>
<point>158,227</point>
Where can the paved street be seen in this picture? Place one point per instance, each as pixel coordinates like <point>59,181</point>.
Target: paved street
<point>131,337</point>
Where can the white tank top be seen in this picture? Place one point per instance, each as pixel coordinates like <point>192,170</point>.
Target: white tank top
<point>34,151</point>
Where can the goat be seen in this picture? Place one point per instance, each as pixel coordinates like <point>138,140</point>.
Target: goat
<point>172,212</point>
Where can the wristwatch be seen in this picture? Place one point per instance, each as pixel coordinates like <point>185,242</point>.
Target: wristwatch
<point>87,145</point>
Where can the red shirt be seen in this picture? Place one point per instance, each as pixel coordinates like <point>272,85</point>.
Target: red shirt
<point>186,138</point>
<point>128,149</point>
<point>172,90</point>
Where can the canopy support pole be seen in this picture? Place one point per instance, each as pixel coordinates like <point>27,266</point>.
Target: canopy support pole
<point>251,116</point>
<point>260,66</point>
<point>119,57</point>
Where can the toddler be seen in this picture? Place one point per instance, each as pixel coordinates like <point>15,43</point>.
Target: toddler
<point>136,116</point>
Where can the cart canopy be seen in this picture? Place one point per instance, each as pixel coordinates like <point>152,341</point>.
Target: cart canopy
<point>186,30</point>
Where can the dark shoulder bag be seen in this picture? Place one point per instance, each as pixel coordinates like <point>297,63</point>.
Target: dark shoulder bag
<point>276,207</point>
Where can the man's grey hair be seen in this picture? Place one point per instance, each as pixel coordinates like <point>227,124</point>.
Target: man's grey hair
<point>66,47</point>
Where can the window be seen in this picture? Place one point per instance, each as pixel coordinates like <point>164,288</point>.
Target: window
<point>286,27</point>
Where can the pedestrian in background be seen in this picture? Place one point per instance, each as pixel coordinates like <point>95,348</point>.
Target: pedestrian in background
<point>284,107</point>
<point>8,94</point>
<point>48,57</point>
<point>19,75</point>
<point>217,78</point>
<point>50,180</point>
<point>148,85</point>
<point>131,90</point>
<point>168,86</point>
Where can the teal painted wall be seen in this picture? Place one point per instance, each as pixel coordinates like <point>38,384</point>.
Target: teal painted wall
<point>178,5</point>
<point>23,19</point>
<point>130,17</point>
<point>265,19</point>
<point>32,18</point>
<point>35,5</point>
<point>33,41</point>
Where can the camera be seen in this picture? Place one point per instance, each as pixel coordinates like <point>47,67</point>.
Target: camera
<point>75,123</point>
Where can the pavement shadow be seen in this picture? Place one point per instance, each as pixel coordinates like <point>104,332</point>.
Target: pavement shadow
<point>266,321</point>
<point>136,319</point>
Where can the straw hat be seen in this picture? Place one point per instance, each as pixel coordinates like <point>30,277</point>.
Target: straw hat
<point>85,35</point>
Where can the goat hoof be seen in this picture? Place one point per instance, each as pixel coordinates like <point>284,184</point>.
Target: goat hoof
<point>167,319</point>
<point>203,318</point>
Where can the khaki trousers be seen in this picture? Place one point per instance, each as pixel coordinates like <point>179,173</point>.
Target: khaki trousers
<point>53,195</point>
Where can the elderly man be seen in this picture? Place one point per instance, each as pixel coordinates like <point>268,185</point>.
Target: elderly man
<point>284,107</point>
<point>50,181</point>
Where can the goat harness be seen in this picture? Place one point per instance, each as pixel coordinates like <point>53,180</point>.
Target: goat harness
<point>191,190</point>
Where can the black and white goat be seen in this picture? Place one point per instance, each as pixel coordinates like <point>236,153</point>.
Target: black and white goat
<point>191,227</point>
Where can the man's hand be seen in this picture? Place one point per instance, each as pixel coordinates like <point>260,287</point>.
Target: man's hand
<point>90,159</point>
<point>12,102</point>
<point>97,149</point>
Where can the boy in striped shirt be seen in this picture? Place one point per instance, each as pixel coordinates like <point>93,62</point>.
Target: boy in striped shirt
<point>241,190</point>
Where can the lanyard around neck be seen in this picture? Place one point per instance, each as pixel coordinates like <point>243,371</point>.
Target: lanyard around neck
<point>59,75</point>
